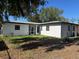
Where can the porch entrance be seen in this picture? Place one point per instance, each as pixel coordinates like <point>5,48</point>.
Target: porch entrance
<point>34,29</point>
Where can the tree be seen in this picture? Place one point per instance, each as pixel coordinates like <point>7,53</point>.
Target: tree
<point>49,14</point>
<point>74,20</point>
<point>35,18</point>
<point>23,8</point>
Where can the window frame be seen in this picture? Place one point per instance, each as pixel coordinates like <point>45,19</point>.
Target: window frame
<point>17,27</point>
<point>69,27</point>
<point>73,28</point>
<point>47,27</point>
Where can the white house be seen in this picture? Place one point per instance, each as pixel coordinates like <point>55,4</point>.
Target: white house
<point>16,28</point>
<point>54,28</point>
<point>60,29</point>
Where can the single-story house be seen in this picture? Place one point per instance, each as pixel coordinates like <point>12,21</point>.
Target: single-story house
<point>59,29</point>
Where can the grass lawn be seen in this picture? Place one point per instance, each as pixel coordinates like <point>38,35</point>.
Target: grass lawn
<point>39,47</point>
<point>29,36</point>
<point>19,39</point>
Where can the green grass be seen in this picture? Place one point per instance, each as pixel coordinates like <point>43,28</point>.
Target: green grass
<point>1,38</point>
<point>19,39</point>
<point>29,36</point>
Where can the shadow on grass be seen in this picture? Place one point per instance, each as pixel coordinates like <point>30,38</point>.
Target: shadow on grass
<point>32,45</point>
<point>21,40</point>
<point>50,43</point>
<point>3,47</point>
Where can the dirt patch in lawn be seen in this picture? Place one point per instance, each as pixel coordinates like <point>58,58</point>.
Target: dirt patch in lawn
<point>47,49</point>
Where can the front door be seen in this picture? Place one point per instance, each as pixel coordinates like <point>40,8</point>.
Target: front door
<point>38,29</point>
<point>31,30</point>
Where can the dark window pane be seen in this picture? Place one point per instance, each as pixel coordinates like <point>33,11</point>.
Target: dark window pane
<point>73,28</point>
<point>17,27</point>
<point>69,28</point>
<point>47,27</point>
<point>38,29</point>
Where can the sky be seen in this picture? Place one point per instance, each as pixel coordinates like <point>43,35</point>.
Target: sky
<point>19,19</point>
<point>70,7</point>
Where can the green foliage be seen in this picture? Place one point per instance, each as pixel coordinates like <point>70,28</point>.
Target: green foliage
<point>0,39</point>
<point>18,8</point>
<point>35,18</point>
<point>49,14</point>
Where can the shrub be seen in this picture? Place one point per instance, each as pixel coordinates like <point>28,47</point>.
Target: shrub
<point>67,39</point>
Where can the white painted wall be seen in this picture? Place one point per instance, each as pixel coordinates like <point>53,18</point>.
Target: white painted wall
<point>9,28</point>
<point>59,30</point>
<point>54,30</point>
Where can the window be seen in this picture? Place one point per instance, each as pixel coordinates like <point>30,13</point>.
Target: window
<point>47,27</point>
<point>68,27</point>
<point>73,34</point>
<point>32,30</point>
<point>73,28</point>
<point>38,29</point>
<point>17,27</point>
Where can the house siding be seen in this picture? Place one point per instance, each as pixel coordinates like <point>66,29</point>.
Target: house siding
<point>9,29</point>
<point>59,30</point>
<point>68,33</point>
<point>54,30</point>
<point>77,30</point>
<point>64,30</point>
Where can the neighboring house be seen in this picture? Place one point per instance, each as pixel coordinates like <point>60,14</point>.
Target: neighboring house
<point>54,28</point>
